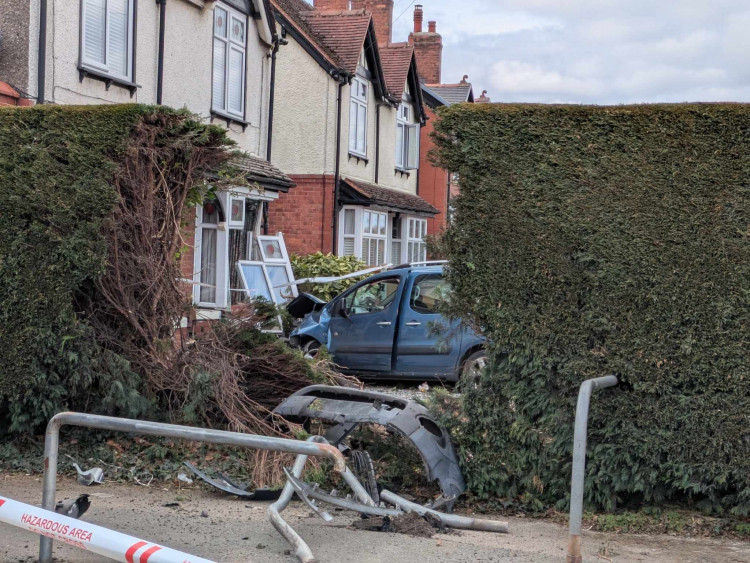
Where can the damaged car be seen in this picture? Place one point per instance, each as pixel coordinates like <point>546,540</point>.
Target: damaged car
<point>389,326</point>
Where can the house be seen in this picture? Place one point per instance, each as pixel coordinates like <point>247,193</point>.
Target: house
<point>215,58</point>
<point>347,121</point>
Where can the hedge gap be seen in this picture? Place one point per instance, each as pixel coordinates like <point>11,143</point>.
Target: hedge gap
<point>605,240</point>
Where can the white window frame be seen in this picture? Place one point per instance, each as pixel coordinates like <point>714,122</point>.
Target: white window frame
<point>360,235</point>
<point>222,106</point>
<point>416,234</point>
<point>222,260</point>
<point>406,131</point>
<point>358,101</point>
<point>104,67</point>
<point>397,259</point>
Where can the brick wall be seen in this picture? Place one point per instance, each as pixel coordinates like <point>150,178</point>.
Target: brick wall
<point>331,4</point>
<point>433,181</point>
<point>428,48</point>
<point>304,214</point>
<point>382,17</point>
<point>9,97</point>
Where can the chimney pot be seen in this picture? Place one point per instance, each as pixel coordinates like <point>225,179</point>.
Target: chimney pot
<point>418,16</point>
<point>431,26</point>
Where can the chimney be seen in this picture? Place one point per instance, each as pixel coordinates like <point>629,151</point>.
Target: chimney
<point>428,48</point>
<point>326,5</point>
<point>382,17</point>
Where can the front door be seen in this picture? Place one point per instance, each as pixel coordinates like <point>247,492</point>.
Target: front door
<point>428,344</point>
<point>361,334</point>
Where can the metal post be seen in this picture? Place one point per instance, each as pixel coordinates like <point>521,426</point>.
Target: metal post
<point>52,440</point>
<point>579,462</point>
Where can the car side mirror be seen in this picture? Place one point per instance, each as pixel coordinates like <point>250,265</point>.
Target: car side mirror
<point>339,309</point>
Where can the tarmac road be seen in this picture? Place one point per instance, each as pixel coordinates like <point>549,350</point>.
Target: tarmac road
<point>237,531</point>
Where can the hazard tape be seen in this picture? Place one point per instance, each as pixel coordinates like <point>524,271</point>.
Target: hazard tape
<point>89,537</point>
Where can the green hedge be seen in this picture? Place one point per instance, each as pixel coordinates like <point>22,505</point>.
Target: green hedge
<point>605,240</point>
<point>326,265</point>
<point>57,167</point>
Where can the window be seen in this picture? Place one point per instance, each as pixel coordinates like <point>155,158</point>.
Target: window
<point>229,62</point>
<point>428,293</point>
<point>208,253</point>
<point>416,246</point>
<point>396,240</point>
<point>372,297</point>
<point>358,117</point>
<point>407,139</point>
<point>350,233</point>
<point>107,37</point>
<point>374,237</point>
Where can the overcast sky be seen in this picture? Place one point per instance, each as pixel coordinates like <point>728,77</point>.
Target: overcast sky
<point>592,51</point>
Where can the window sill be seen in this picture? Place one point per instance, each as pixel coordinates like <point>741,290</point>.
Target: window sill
<point>403,173</point>
<point>359,158</point>
<point>215,114</point>
<point>86,72</point>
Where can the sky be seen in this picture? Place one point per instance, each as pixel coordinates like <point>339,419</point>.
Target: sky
<point>592,51</point>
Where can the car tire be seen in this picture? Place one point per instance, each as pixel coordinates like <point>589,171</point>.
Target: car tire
<point>311,349</point>
<point>471,370</point>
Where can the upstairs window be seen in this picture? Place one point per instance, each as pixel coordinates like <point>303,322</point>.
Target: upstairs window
<point>358,117</point>
<point>407,139</point>
<point>107,37</point>
<point>229,62</point>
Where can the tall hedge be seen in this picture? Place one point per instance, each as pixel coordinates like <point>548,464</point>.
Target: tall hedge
<point>605,240</point>
<point>58,169</point>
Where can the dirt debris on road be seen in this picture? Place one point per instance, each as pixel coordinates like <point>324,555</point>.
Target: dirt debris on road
<point>233,528</point>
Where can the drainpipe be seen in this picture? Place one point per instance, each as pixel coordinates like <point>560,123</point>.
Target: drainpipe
<point>447,196</point>
<point>160,61</point>
<point>377,143</point>
<point>41,70</point>
<point>272,90</point>
<point>579,462</point>
<point>337,172</point>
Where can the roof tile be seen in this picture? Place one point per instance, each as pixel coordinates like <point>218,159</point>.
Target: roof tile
<point>393,199</point>
<point>396,60</point>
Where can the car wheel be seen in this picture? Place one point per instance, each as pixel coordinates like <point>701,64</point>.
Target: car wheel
<point>365,472</point>
<point>472,368</point>
<point>311,349</point>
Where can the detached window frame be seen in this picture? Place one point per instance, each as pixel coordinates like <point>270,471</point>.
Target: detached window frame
<point>407,139</point>
<point>359,92</point>
<point>228,89</point>
<point>106,35</point>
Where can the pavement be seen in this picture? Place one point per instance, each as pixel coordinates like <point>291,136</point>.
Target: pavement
<point>223,528</point>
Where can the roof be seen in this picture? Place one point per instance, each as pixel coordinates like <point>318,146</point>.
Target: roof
<point>453,93</point>
<point>343,32</point>
<point>396,59</point>
<point>364,193</point>
<point>262,172</point>
<point>432,98</point>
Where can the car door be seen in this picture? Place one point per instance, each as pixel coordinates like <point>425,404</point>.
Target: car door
<point>428,344</point>
<point>363,326</point>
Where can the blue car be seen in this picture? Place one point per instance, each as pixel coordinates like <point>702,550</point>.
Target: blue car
<point>388,326</point>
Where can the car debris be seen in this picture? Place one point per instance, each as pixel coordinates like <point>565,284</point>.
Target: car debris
<point>347,408</point>
<point>224,483</point>
<point>93,476</point>
<point>73,507</point>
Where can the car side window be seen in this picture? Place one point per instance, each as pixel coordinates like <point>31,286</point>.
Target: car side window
<point>428,293</point>
<point>372,297</point>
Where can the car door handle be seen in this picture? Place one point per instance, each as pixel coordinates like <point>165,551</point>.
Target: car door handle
<point>384,323</point>
<point>413,323</point>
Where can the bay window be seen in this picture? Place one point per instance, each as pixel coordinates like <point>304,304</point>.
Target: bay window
<point>374,237</point>
<point>228,88</point>
<point>107,37</point>
<point>416,247</point>
<point>358,117</point>
<point>407,139</point>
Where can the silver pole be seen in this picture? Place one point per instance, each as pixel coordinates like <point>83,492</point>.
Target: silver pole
<point>579,462</point>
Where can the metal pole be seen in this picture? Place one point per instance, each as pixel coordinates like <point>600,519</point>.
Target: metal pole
<point>579,462</point>
<point>89,537</point>
<point>166,430</point>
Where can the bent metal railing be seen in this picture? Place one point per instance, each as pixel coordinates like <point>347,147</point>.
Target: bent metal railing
<point>52,440</point>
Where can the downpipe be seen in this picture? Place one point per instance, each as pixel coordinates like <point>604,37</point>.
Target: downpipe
<point>579,462</point>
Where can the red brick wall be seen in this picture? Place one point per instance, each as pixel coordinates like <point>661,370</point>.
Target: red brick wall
<point>9,97</point>
<point>331,4</point>
<point>382,17</point>
<point>433,182</point>
<point>304,214</point>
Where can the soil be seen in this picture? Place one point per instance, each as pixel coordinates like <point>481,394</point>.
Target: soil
<point>410,524</point>
<point>219,527</point>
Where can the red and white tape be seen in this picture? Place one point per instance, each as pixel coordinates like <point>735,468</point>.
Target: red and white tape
<point>90,537</point>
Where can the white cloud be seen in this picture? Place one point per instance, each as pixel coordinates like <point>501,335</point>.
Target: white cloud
<point>594,51</point>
